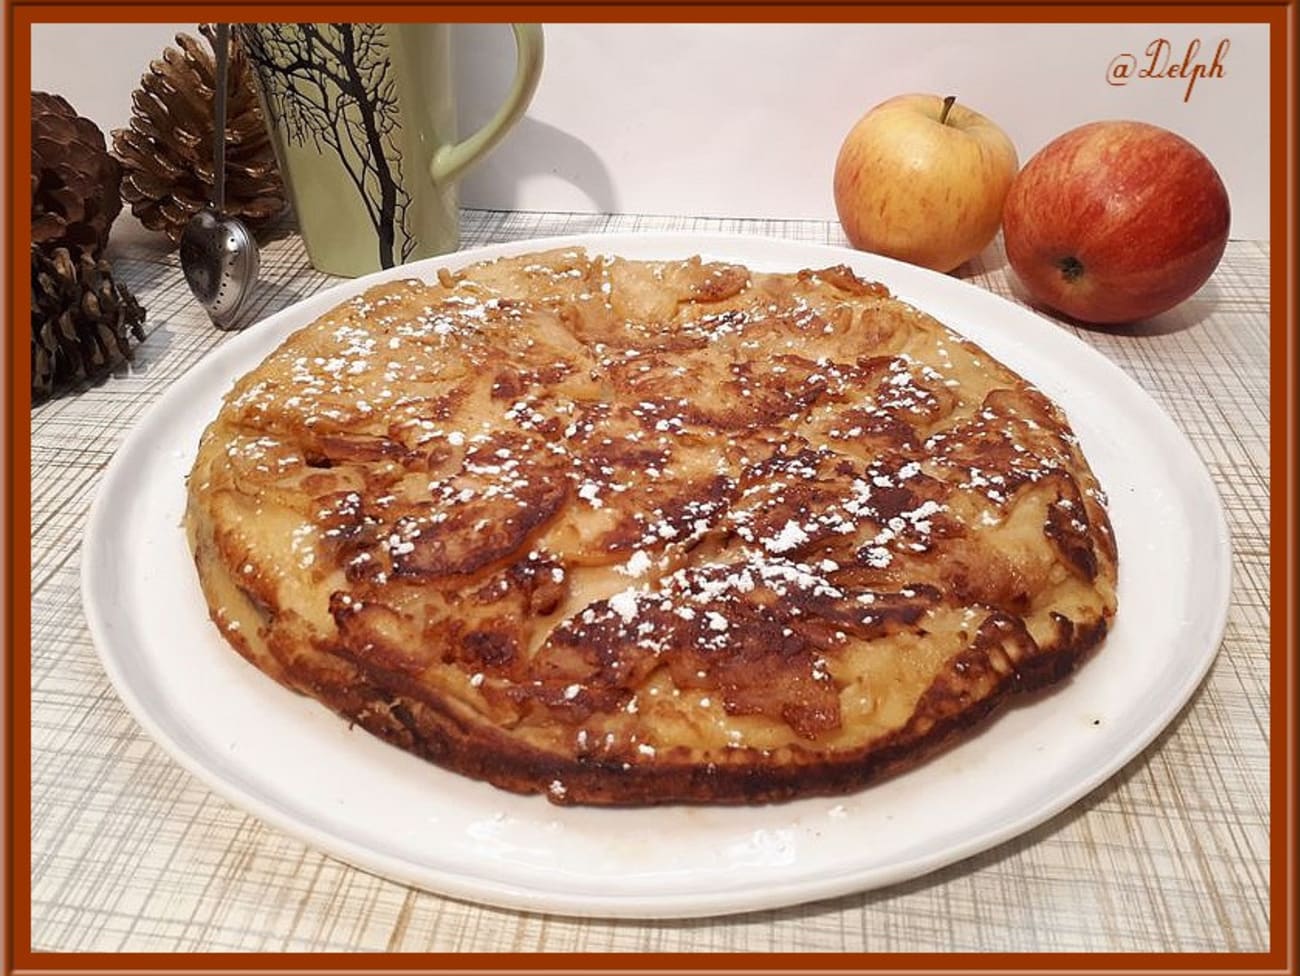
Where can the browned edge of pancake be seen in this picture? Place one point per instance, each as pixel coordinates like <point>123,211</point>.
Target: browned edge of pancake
<point>1003,666</point>
<point>484,754</point>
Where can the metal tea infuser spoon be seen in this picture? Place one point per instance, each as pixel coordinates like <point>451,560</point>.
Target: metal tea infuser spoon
<point>218,255</point>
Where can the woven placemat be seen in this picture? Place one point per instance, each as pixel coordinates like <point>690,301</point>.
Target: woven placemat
<point>130,853</point>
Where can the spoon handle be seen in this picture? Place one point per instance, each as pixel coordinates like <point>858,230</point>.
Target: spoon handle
<point>219,119</point>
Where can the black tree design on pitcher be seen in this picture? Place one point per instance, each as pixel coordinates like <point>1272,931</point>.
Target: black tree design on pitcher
<point>331,84</point>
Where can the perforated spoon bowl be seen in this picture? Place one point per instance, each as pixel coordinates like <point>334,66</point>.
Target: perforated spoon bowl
<point>219,256</point>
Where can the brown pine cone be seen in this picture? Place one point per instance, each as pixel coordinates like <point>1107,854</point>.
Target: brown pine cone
<point>167,151</point>
<point>75,195</point>
<point>82,320</point>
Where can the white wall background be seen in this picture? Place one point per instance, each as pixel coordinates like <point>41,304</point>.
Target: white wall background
<point>746,120</point>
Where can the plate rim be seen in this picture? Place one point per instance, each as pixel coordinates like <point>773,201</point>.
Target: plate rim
<point>485,890</point>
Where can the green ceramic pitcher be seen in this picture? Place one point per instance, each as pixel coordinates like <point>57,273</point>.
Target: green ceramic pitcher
<point>363,120</point>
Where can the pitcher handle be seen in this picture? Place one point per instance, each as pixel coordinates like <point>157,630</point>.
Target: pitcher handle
<point>450,162</point>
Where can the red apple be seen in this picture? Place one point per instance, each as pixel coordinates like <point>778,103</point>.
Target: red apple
<point>1115,221</point>
<point>923,179</point>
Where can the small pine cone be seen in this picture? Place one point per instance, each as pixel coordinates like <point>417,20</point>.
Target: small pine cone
<point>167,152</point>
<point>75,181</point>
<point>82,320</point>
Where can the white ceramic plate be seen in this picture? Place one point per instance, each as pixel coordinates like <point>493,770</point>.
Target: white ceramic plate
<point>293,764</point>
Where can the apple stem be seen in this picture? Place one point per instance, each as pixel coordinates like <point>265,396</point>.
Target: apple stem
<point>947,107</point>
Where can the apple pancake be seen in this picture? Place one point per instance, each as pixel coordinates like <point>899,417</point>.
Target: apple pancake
<point>626,532</point>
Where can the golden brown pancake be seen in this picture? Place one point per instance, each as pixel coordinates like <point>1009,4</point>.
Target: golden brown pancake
<point>626,532</point>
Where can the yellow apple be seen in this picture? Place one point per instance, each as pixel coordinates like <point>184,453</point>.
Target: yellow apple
<point>923,179</point>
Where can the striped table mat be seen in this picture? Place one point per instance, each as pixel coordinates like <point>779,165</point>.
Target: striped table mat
<point>131,853</point>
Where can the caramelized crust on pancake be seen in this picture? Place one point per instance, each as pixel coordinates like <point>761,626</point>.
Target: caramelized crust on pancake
<point>628,533</point>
